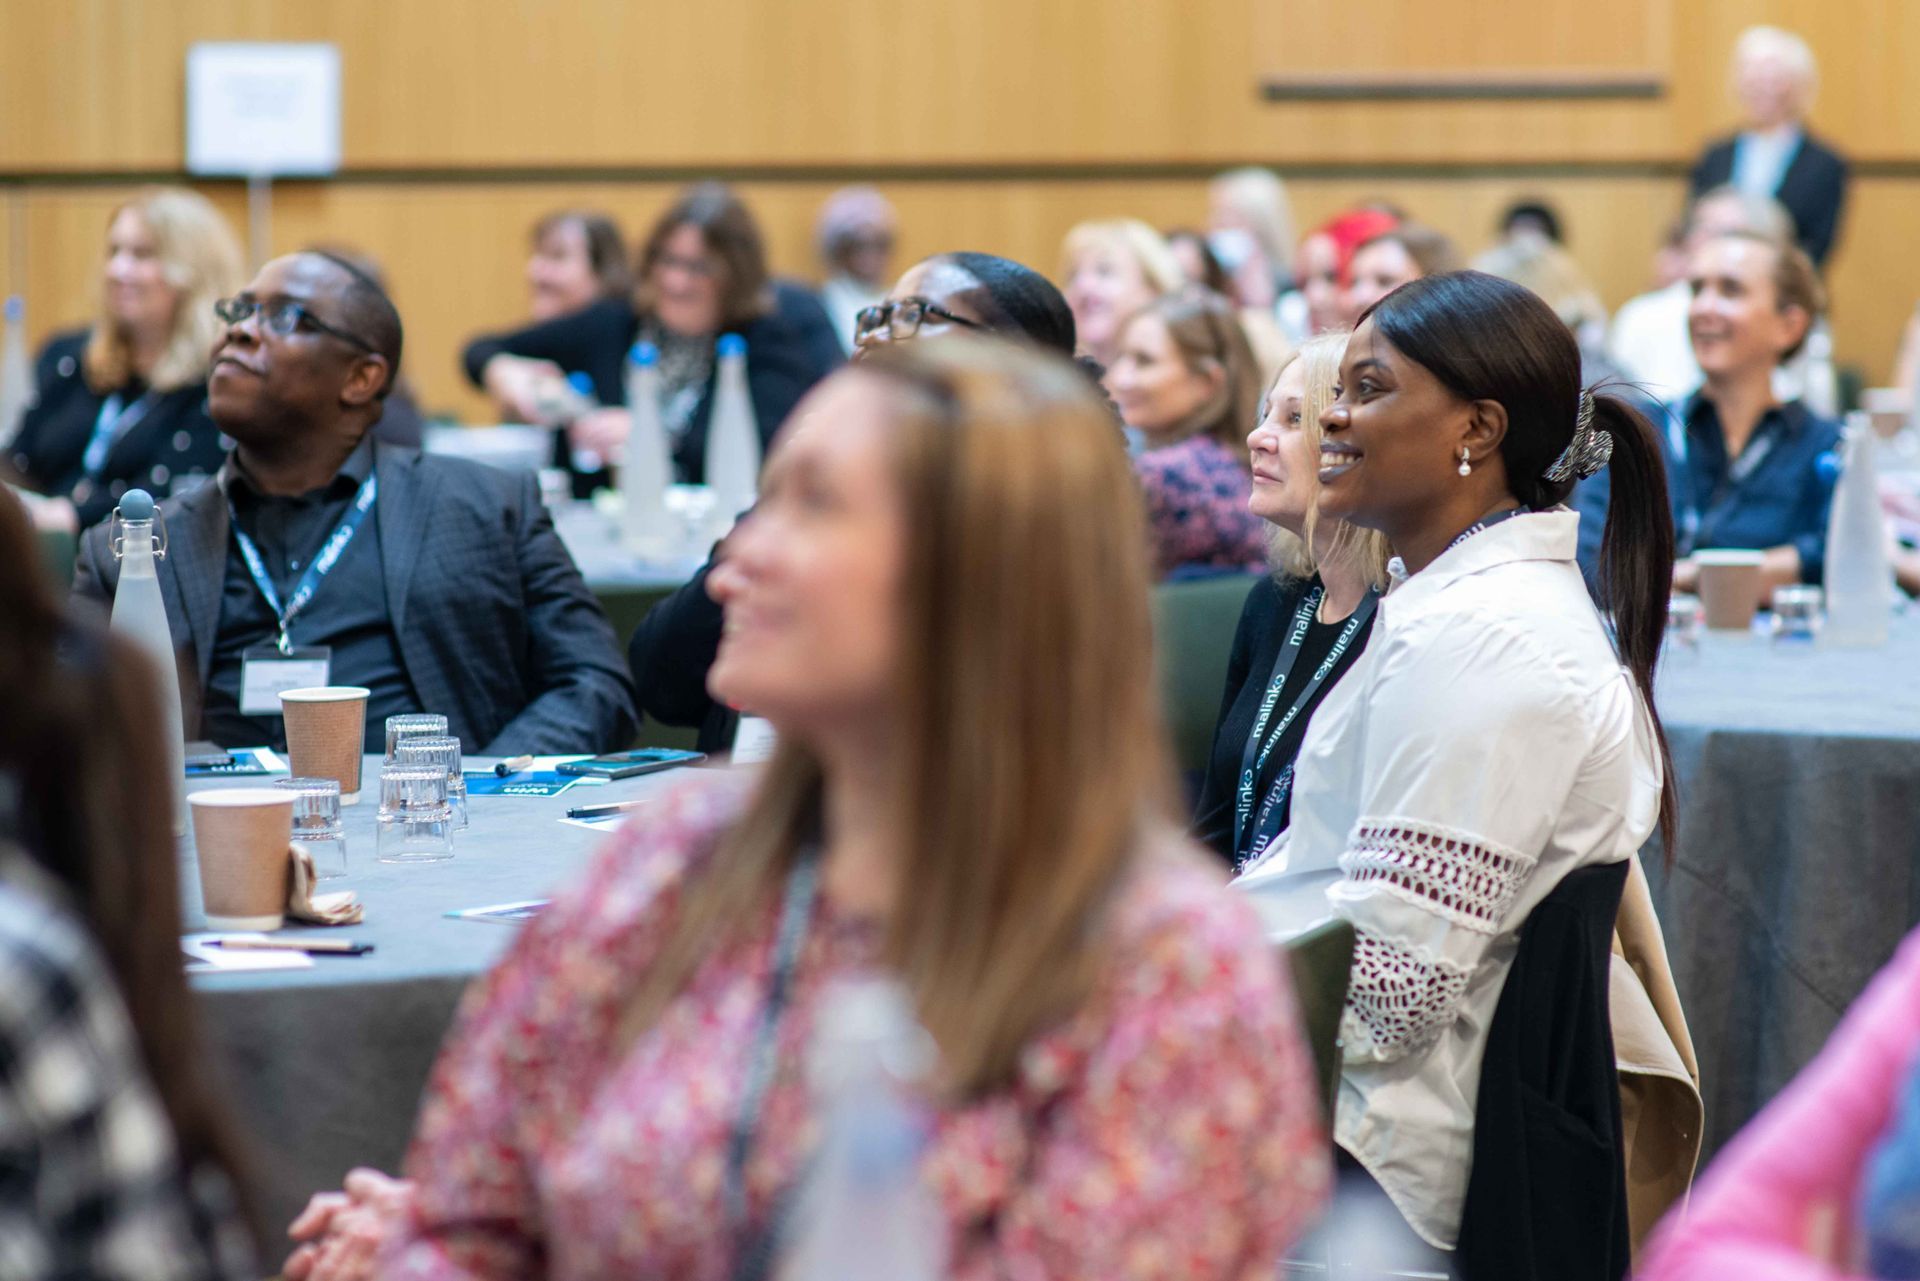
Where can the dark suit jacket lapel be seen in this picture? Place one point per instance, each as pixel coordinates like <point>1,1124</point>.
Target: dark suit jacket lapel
<point>404,508</point>
<point>196,567</point>
<point>1799,168</point>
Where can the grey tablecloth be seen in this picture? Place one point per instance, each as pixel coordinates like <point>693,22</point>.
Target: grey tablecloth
<point>324,1067</point>
<point>1798,867</point>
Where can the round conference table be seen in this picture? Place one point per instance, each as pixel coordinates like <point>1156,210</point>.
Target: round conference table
<point>1798,872</point>
<point>324,1066</point>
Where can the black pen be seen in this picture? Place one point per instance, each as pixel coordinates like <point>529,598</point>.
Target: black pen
<point>603,811</point>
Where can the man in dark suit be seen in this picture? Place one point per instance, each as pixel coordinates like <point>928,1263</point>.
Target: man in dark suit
<point>1774,77</point>
<point>438,584</point>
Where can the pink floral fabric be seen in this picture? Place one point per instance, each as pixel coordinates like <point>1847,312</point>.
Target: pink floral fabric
<point>1197,492</point>
<point>1169,1129</point>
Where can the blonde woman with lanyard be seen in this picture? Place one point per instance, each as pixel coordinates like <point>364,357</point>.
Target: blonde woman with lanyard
<point>1122,1091</point>
<point>1491,741</point>
<point>1301,628</point>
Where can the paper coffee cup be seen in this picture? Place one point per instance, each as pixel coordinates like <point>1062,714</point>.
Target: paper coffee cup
<point>1729,587</point>
<point>240,836</point>
<point>326,728</point>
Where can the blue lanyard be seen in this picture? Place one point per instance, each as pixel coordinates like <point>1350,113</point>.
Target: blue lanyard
<point>115,420</point>
<point>1260,743</point>
<point>328,556</point>
<point>754,1260</point>
<point>1484,523</point>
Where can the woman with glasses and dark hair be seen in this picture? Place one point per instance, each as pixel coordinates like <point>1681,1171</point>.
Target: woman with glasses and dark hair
<point>702,273</point>
<point>578,258</point>
<point>122,404</point>
<point>1186,380</point>
<point>948,293</point>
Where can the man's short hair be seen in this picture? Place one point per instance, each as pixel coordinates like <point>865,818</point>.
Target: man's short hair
<point>368,314</point>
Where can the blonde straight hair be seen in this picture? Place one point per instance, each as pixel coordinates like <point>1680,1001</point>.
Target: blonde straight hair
<point>1032,771</point>
<point>1366,549</point>
<point>201,261</point>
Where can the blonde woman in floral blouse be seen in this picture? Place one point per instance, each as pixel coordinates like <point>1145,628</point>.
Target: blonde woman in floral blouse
<point>969,764</point>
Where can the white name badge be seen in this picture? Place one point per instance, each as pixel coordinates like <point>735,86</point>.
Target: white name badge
<point>753,741</point>
<point>265,671</point>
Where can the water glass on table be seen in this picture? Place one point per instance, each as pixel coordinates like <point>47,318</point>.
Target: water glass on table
<point>1796,612</point>
<point>415,820</point>
<point>442,750</point>
<point>1685,620</point>
<point>317,825</point>
<point>407,726</point>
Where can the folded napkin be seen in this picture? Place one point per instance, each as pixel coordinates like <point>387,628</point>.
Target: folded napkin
<point>341,908</point>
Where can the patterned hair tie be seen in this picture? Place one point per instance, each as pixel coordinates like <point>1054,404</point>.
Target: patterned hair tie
<point>1586,453</point>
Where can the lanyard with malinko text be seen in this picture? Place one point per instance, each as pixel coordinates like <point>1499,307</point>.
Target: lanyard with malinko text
<point>328,556</point>
<point>1261,742</point>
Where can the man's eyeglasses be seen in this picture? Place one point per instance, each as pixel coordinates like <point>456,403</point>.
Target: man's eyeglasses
<point>282,316</point>
<point>901,320</point>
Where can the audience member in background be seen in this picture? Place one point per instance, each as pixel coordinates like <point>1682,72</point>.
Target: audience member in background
<point>1324,261</point>
<point>1327,575</point>
<point>1120,1090</point>
<point>674,646</point>
<point>1753,474</point>
<point>122,404</point>
<point>1649,338</point>
<point>452,594</point>
<point>1109,270</point>
<point>1250,225</point>
<point>1774,80</point>
<point>578,258</point>
<point>1820,1184</point>
<point>703,272</point>
<point>1407,253</point>
<point>854,238</point>
<point>1187,381</point>
<point>401,422</point>
<point>1536,263</point>
<point>1271,347</point>
<point>118,1162</point>
<point>1531,217</point>
<point>1489,742</point>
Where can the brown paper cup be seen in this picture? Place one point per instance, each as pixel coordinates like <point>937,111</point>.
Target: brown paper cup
<point>326,727</point>
<point>1729,588</point>
<point>240,836</point>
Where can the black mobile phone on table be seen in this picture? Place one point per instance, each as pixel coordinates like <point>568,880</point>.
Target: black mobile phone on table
<point>644,760</point>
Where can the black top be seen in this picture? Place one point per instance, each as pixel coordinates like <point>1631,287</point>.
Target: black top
<point>786,355</point>
<point>1813,189</point>
<point>159,445</point>
<point>1256,644</point>
<point>348,612</point>
<point>1783,499</point>
<point>670,654</point>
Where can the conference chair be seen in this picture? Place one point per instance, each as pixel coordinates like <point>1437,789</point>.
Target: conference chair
<point>1193,625</point>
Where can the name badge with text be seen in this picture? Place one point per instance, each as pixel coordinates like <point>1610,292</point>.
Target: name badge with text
<point>753,741</point>
<point>265,671</point>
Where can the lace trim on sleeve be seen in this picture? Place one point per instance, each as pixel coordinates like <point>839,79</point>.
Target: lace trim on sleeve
<point>1468,881</point>
<point>1399,999</point>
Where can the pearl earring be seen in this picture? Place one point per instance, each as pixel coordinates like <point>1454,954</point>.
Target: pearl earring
<point>1466,468</point>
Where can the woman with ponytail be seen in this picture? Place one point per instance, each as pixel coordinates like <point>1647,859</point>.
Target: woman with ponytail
<point>1492,739</point>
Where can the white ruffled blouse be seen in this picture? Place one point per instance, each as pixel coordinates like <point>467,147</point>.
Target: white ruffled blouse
<point>1486,743</point>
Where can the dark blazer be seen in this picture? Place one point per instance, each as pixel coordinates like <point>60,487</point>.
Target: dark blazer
<point>670,654</point>
<point>494,625</point>
<point>1813,189</point>
<point>788,351</point>
<point>173,443</point>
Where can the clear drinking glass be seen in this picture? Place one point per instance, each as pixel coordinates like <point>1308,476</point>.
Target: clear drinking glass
<point>442,750</point>
<point>1685,620</point>
<point>415,822</point>
<point>1796,612</point>
<point>317,825</point>
<point>399,727</point>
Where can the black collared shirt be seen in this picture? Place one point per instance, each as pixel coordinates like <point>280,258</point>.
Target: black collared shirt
<point>348,613</point>
<point>1777,492</point>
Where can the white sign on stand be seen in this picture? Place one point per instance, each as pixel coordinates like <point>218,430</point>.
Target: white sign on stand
<point>263,110</point>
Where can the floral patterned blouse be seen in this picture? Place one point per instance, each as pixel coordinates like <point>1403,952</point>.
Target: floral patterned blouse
<point>1197,493</point>
<point>1168,1129</point>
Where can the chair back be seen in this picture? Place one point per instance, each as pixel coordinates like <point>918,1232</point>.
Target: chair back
<point>1320,962</point>
<point>1193,626</point>
<point>57,550</point>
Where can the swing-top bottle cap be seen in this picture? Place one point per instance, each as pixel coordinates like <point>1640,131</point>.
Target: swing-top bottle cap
<point>580,382</point>
<point>136,504</point>
<point>16,308</point>
<point>644,354</point>
<point>731,345</point>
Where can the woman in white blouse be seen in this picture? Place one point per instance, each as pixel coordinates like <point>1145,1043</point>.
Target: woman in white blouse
<point>1491,739</point>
